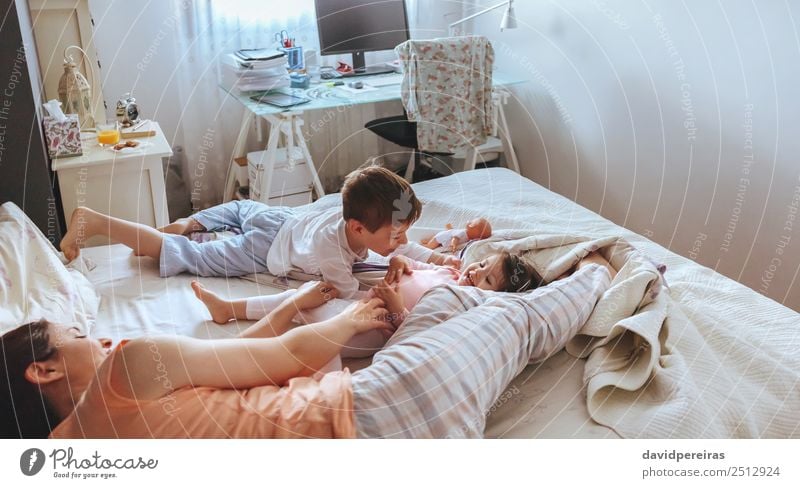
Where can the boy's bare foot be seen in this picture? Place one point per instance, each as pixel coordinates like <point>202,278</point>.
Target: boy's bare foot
<point>221,310</point>
<point>80,228</point>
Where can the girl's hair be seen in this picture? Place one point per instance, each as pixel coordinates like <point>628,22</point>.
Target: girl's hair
<point>518,274</point>
<point>26,413</point>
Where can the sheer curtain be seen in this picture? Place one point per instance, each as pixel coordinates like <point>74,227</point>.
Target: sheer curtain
<point>210,119</point>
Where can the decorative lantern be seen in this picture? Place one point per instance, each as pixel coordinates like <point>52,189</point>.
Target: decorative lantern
<point>74,92</point>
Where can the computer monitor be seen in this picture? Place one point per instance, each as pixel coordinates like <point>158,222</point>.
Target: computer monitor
<point>358,26</point>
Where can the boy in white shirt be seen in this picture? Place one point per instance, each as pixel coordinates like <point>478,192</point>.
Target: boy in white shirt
<point>377,209</point>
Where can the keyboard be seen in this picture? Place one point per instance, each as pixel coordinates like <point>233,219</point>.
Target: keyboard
<point>385,80</point>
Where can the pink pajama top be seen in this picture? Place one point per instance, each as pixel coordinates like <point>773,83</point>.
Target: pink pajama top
<point>412,287</point>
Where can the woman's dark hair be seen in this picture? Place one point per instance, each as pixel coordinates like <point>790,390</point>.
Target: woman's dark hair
<point>25,412</point>
<point>518,274</point>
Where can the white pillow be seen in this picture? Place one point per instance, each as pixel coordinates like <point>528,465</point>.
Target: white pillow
<point>34,283</point>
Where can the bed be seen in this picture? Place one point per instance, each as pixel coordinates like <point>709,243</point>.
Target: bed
<point>547,400</point>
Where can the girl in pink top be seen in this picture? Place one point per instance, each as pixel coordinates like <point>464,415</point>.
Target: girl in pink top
<point>405,282</point>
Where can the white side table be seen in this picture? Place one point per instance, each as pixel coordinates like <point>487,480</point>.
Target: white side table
<point>128,184</point>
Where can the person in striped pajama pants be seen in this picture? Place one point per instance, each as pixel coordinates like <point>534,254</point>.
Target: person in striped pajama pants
<point>437,377</point>
<point>443,369</point>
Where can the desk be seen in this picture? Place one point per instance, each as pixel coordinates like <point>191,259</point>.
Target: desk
<point>289,121</point>
<point>128,184</point>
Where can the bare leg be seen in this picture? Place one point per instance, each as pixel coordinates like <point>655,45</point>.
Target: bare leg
<point>85,223</point>
<point>182,227</point>
<point>222,311</point>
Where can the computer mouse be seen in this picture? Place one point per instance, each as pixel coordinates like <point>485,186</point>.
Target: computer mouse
<point>356,84</point>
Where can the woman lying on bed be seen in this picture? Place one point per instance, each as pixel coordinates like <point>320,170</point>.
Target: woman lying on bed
<point>56,381</point>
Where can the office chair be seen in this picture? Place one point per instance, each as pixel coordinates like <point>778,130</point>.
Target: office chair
<point>403,132</point>
<point>434,69</point>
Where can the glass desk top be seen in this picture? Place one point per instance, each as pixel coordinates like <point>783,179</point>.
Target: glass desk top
<point>324,96</point>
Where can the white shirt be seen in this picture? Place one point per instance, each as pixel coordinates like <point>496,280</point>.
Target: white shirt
<point>444,237</point>
<point>314,242</point>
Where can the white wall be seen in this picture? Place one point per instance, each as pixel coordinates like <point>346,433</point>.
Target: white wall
<point>136,47</point>
<point>678,120</point>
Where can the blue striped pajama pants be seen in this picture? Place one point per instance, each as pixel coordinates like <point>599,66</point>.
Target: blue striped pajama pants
<point>459,349</point>
<point>243,254</point>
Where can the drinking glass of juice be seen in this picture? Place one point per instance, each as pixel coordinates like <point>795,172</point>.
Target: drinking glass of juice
<point>107,133</point>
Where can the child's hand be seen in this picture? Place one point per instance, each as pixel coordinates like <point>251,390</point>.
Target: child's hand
<point>451,261</point>
<point>391,298</point>
<point>365,315</point>
<point>398,266</point>
<point>313,295</point>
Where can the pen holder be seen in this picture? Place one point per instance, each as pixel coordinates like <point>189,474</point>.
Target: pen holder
<point>294,57</point>
<point>63,138</point>
<point>299,80</point>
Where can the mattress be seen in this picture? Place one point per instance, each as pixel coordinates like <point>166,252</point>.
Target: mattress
<point>547,400</point>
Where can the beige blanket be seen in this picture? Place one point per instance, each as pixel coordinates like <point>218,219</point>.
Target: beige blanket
<point>653,371</point>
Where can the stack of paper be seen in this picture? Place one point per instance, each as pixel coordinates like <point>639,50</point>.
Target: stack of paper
<point>258,75</point>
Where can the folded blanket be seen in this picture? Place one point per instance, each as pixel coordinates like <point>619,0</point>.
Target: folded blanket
<point>657,366</point>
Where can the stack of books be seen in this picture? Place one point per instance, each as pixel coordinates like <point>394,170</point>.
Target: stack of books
<point>254,70</point>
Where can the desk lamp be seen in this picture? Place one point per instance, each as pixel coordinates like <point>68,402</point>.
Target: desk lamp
<point>509,20</point>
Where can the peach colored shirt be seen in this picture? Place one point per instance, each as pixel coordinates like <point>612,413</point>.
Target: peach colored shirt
<point>305,407</point>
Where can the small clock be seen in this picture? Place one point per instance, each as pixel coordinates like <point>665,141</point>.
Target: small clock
<point>127,110</point>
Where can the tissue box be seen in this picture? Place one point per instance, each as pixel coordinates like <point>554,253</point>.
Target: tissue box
<point>63,138</point>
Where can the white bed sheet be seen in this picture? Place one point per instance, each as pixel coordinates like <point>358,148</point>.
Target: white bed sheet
<point>545,400</point>
<point>135,301</point>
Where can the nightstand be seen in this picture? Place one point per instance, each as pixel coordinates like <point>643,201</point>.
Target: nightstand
<point>128,184</point>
